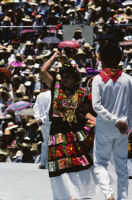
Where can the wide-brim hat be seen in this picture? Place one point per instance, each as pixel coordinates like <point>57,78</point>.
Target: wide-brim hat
<point>18,154</point>
<point>78,31</point>
<point>27,71</point>
<point>29,43</point>
<point>11,126</point>
<point>82,70</point>
<point>51,3</point>
<point>25,145</point>
<point>128,68</point>
<point>43,2</point>
<point>46,53</point>
<point>4,153</point>
<point>27,19</point>
<point>6,18</point>
<point>80,52</point>
<point>31,122</point>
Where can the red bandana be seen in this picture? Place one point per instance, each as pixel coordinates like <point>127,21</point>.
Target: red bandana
<point>109,73</point>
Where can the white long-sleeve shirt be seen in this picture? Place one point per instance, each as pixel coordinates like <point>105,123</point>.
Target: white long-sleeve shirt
<point>112,101</point>
<point>42,106</point>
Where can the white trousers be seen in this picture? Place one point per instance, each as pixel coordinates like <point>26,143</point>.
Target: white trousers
<point>109,140</point>
<point>45,129</point>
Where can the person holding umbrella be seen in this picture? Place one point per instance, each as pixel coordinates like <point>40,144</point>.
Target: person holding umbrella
<point>70,136</point>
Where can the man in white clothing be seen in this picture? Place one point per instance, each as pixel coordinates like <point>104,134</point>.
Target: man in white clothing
<point>112,101</point>
<point>41,114</point>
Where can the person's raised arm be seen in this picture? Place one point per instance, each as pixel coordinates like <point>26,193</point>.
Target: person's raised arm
<point>47,77</point>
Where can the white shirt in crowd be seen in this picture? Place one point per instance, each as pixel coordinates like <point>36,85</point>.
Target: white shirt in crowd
<point>42,106</point>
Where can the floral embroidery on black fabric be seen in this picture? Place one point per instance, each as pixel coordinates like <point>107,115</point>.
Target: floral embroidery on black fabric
<point>66,140</point>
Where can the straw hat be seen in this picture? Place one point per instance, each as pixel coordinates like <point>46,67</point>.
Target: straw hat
<point>34,147</point>
<point>31,122</point>
<point>29,58</point>
<point>26,19</point>
<point>84,79</point>
<point>46,53</point>
<point>8,116</point>
<point>78,31</point>
<point>51,3</point>
<point>29,43</point>
<point>6,19</point>
<point>128,68</point>
<point>25,145</point>
<point>43,1</point>
<point>3,152</point>
<point>82,70</point>
<point>18,154</point>
<point>11,126</point>
<point>80,52</point>
<point>27,71</point>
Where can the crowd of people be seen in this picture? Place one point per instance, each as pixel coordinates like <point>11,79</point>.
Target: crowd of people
<point>49,86</point>
<point>23,52</point>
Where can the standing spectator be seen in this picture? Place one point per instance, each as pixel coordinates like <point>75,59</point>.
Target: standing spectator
<point>41,114</point>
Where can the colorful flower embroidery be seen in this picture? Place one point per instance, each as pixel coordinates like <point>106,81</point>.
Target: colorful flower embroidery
<point>70,150</point>
<point>75,162</point>
<point>71,137</point>
<point>59,151</point>
<point>57,85</point>
<point>83,160</point>
<point>63,163</point>
<point>59,138</point>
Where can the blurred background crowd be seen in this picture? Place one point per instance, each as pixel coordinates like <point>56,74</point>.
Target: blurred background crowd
<point>24,49</point>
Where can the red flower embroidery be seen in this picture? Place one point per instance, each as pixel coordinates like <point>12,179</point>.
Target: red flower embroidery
<point>79,101</point>
<point>80,94</point>
<point>70,149</point>
<point>69,138</point>
<point>75,161</point>
<point>59,152</point>
<point>60,91</point>
<point>60,98</point>
<point>90,97</point>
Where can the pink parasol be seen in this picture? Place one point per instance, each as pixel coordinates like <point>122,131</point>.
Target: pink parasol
<point>16,64</point>
<point>28,31</point>
<point>126,43</point>
<point>69,43</point>
<point>20,105</point>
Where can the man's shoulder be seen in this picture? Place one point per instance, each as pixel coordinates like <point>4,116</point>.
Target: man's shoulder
<point>44,94</point>
<point>126,77</point>
<point>97,78</point>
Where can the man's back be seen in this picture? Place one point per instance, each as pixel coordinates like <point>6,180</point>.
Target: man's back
<point>115,97</point>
